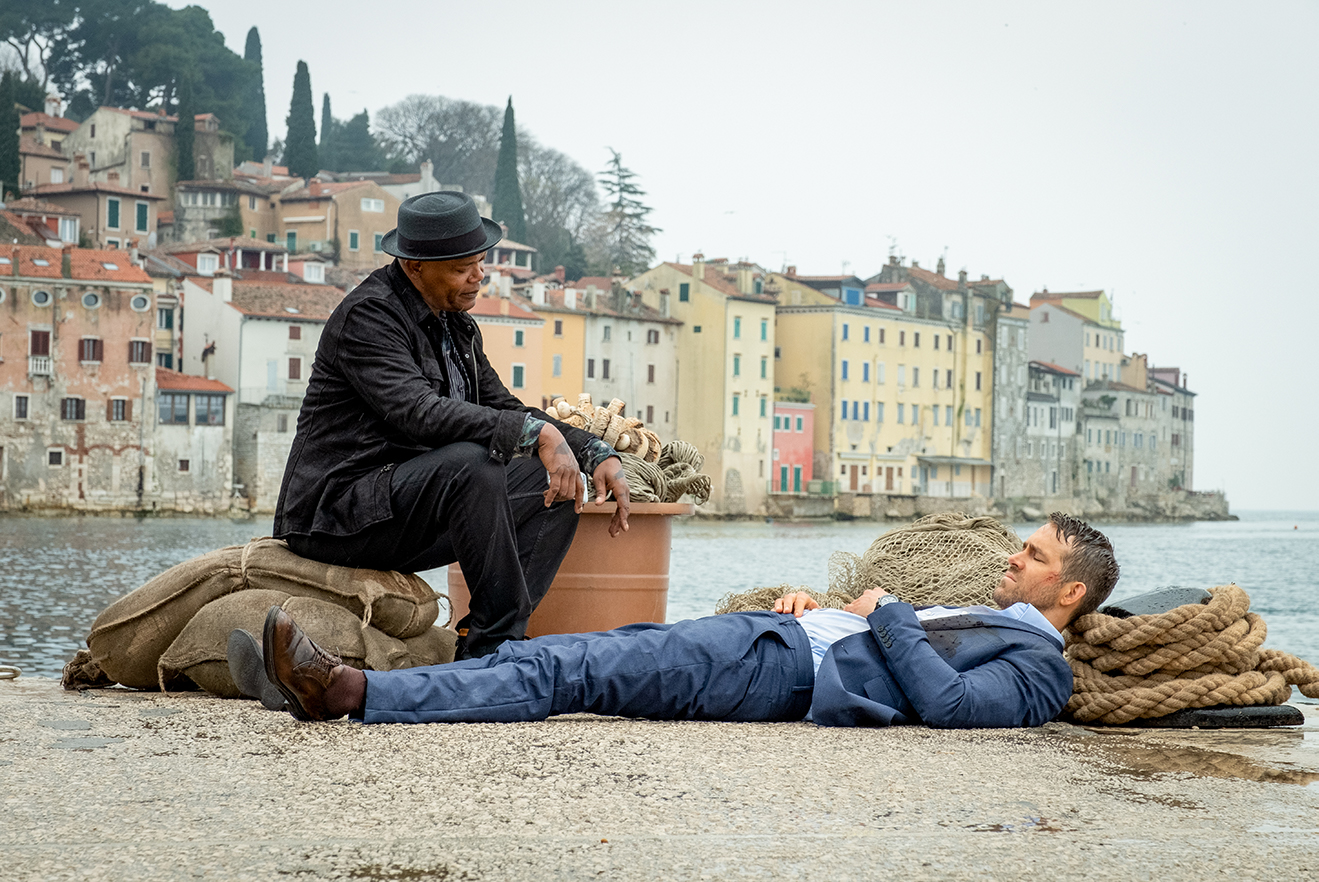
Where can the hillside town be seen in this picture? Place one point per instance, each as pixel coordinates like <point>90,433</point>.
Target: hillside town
<point>157,336</point>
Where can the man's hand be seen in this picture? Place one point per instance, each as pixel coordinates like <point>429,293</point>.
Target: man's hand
<point>865,604</point>
<point>609,478</point>
<point>796,603</point>
<point>565,474</point>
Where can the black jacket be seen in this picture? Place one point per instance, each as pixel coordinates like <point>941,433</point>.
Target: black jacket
<point>378,395</point>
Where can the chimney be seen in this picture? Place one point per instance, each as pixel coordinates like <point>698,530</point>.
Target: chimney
<point>893,260</point>
<point>569,298</point>
<point>267,167</point>
<point>66,261</point>
<point>81,170</point>
<point>222,285</point>
<point>589,300</point>
<point>961,280</point>
<point>506,287</point>
<point>791,272</point>
<point>698,266</point>
<point>745,279</point>
<point>112,178</point>
<point>916,263</point>
<point>664,302</point>
<point>939,267</point>
<point>560,273</point>
<point>54,107</point>
<point>427,182</point>
<point>496,278</point>
<point>503,306</point>
<point>538,293</point>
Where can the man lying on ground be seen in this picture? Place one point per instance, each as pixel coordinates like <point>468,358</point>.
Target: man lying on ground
<point>877,662</point>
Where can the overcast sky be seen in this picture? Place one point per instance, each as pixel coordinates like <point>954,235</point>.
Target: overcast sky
<point>1165,152</point>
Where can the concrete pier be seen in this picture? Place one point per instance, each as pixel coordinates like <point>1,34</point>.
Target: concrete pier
<point>121,785</point>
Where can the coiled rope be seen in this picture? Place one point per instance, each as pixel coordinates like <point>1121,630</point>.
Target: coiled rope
<point>1197,655</point>
<point>674,474</point>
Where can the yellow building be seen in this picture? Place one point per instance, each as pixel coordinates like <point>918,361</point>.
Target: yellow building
<point>724,368</point>
<point>1101,335</point>
<point>512,338</point>
<point>354,215</point>
<point>902,403</point>
<point>563,344</point>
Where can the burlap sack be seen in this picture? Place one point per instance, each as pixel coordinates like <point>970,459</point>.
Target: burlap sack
<point>199,652</point>
<point>130,635</point>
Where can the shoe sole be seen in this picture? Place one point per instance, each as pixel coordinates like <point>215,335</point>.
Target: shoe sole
<point>248,670</point>
<point>267,641</point>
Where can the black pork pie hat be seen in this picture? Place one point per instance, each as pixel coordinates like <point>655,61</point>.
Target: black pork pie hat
<point>440,226</point>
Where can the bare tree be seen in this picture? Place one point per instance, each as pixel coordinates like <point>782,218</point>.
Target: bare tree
<point>460,138</point>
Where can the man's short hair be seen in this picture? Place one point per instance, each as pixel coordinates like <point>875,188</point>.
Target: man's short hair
<point>1088,559</point>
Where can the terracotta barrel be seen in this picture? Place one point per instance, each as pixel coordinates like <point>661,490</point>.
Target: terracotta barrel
<point>603,583</point>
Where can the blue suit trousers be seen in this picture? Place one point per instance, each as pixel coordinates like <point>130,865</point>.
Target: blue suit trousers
<point>736,667</point>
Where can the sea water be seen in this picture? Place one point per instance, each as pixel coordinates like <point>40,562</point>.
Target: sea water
<point>57,574</point>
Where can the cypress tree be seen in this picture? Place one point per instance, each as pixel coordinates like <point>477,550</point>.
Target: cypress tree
<point>258,135</point>
<point>300,146</point>
<point>11,166</point>
<point>185,134</point>
<point>328,154</point>
<point>507,207</point>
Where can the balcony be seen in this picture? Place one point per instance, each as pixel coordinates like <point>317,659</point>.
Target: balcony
<point>38,365</point>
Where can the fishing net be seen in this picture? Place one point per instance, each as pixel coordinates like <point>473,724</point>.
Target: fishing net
<point>944,559</point>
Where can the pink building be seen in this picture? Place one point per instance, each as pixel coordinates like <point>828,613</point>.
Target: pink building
<point>794,427</point>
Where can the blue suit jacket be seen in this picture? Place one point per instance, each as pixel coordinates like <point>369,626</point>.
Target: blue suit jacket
<point>965,671</point>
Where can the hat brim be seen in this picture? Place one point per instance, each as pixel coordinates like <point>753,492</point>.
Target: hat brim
<point>493,232</point>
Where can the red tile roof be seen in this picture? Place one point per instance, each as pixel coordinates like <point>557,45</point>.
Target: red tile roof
<point>1056,368</point>
<point>876,303</point>
<point>94,186</point>
<point>164,217</point>
<point>935,280</point>
<point>725,283</point>
<point>45,120</point>
<point>32,205</point>
<point>318,190</point>
<point>173,381</point>
<point>490,307</point>
<point>874,287</point>
<point>19,229</point>
<point>286,300</point>
<point>32,147</point>
<point>85,264</point>
<point>223,243</point>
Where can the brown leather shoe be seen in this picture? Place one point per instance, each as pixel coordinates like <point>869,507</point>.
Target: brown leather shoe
<point>300,669</point>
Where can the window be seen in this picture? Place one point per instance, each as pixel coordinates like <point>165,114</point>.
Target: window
<point>251,205</point>
<point>295,332</point>
<point>55,457</point>
<point>557,369</point>
<point>764,329</point>
<point>947,414</point>
<point>38,343</point>
<point>844,415</point>
<point>165,318</point>
<point>950,342</point>
<point>519,376</point>
<point>291,240</point>
<point>518,337</point>
<point>73,409</point>
<point>68,229</point>
<point>737,327</point>
<point>650,413</point>
<point>210,410</point>
<point>845,330</point>
<point>778,422</point>
<point>902,375</point>
<point>684,290</point>
<point>207,264</point>
<point>865,414</point>
<point>57,175</point>
<point>901,408</point>
<point>866,334</point>
<point>902,338</point>
<point>650,373</point>
<point>112,213</point>
<point>865,372</point>
<point>915,377</point>
<point>378,238</point>
<point>696,329</point>
<point>607,332</point>
<point>604,368</point>
<point>735,402</point>
<point>90,349</point>
<point>91,300</point>
<point>139,303</point>
<point>881,336</point>
<point>185,465</point>
<point>977,417</point>
<point>375,206</point>
<point>934,376</point>
<point>948,379</point>
<point>590,368</point>
<point>295,369</point>
<point>763,399</point>
<point>142,217</point>
<point>165,360</point>
<point>174,408</point>
<point>916,339</point>
<point>737,367</point>
<point>799,422</point>
<point>119,410</point>
<point>844,369</point>
<point>20,407</point>
<point>764,367</point>
<point>979,345</point>
<point>879,372</point>
<point>354,238</point>
<point>977,381</point>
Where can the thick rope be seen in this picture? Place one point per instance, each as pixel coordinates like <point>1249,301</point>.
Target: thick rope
<point>1197,655</point>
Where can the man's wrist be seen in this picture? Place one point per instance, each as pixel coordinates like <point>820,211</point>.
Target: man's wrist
<point>531,428</point>
<point>886,600</point>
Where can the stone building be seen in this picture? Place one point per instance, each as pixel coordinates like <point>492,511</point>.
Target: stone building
<point>134,149</point>
<point>194,443</point>
<point>1011,380</point>
<point>77,386</point>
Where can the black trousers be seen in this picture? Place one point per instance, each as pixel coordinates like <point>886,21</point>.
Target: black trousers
<point>455,503</point>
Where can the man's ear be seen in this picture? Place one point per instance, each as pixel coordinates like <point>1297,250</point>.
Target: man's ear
<point>1072,593</point>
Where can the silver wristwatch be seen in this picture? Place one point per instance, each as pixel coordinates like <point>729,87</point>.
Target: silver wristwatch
<point>886,600</point>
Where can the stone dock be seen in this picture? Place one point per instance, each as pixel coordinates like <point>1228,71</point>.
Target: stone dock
<point>121,785</point>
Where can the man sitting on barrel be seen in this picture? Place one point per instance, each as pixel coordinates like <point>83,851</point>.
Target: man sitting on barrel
<point>877,662</point>
<point>411,454</point>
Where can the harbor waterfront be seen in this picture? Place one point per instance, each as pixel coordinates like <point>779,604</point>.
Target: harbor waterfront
<point>57,574</point>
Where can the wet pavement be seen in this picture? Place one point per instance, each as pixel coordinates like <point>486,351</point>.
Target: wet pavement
<point>115,784</point>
